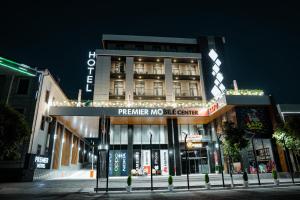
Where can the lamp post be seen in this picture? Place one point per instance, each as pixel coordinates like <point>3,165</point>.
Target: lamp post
<point>187,162</point>
<point>255,159</point>
<point>287,159</point>
<point>221,163</point>
<point>151,163</point>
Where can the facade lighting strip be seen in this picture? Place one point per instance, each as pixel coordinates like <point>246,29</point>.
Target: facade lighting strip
<point>16,69</point>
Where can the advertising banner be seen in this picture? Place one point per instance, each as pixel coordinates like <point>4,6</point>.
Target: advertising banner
<point>117,163</point>
<point>146,161</point>
<point>124,163</point>
<point>164,162</point>
<point>156,160</point>
<point>255,120</point>
<point>136,159</point>
<point>111,163</point>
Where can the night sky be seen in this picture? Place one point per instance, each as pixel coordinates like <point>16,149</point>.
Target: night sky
<point>262,39</point>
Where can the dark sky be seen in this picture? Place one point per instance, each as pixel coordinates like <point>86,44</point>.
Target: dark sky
<point>262,39</point>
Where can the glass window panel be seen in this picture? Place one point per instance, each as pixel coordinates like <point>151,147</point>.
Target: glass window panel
<point>163,134</point>
<point>124,134</point>
<point>145,134</point>
<point>155,134</point>
<point>117,134</point>
<point>137,134</point>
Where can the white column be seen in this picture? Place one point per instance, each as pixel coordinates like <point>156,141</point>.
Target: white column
<point>202,86</point>
<point>53,145</point>
<point>129,83</point>
<point>168,80</point>
<point>71,150</point>
<point>102,78</point>
<point>61,147</point>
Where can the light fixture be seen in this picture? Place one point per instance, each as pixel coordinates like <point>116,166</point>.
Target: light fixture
<point>174,60</point>
<point>213,55</point>
<point>119,58</point>
<point>158,77</point>
<point>192,61</point>
<point>139,59</point>
<point>140,77</point>
<point>157,60</point>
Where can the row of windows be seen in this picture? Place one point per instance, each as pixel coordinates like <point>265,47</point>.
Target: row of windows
<point>157,68</point>
<point>141,134</point>
<point>158,88</point>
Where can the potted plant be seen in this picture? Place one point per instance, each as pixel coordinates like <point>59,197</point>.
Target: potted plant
<point>245,178</point>
<point>170,181</point>
<point>275,177</point>
<point>129,181</point>
<point>207,183</point>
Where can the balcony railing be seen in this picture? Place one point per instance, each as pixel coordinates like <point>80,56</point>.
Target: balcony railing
<point>116,94</point>
<point>150,94</point>
<point>187,94</point>
<point>186,72</point>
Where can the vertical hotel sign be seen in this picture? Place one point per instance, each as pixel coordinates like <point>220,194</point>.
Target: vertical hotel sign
<point>91,63</point>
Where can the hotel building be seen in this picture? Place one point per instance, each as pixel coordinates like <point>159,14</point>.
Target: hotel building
<point>154,94</point>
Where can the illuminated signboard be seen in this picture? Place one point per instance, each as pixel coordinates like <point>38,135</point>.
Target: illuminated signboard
<point>162,112</point>
<point>91,68</point>
<point>41,162</point>
<point>218,88</point>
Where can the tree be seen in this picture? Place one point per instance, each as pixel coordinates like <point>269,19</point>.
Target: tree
<point>14,133</point>
<point>234,140</point>
<point>288,132</point>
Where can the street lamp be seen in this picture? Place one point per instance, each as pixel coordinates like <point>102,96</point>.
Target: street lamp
<point>151,163</point>
<point>220,155</point>
<point>255,159</point>
<point>287,159</point>
<point>187,162</point>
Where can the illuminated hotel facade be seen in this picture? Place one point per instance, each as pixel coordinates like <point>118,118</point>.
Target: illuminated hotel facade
<point>152,93</point>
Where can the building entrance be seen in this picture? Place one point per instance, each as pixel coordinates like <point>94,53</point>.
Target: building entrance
<point>197,161</point>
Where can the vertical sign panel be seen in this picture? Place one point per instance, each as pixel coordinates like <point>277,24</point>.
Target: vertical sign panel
<point>117,163</point>
<point>156,160</point>
<point>136,160</point>
<point>124,164</point>
<point>111,163</point>
<point>146,161</point>
<point>164,162</point>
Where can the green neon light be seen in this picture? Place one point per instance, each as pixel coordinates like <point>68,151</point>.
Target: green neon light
<point>9,61</point>
<point>16,69</point>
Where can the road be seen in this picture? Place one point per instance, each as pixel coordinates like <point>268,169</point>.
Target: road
<point>257,193</point>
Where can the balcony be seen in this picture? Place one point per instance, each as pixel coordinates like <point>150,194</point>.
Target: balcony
<point>186,75</point>
<point>149,94</point>
<point>116,94</point>
<point>149,75</point>
<point>117,74</point>
<point>187,95</point>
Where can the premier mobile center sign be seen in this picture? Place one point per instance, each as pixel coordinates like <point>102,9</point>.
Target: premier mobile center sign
<point>162,112</point>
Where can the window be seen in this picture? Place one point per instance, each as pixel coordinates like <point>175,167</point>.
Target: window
<point>120,46</point>
<point>177,88</point>
<point>119,67</point>
<point>139,68</point>
<point>156,48</point>
<point>140,88</point>
<point>176,69</point>
<point>118,86</point>
<point>139,47</point>
<point>39,149</point>
<point>173,48</point>
<point>157,69</point>
<point>43,123</point>
<point>47,96</point>
<point>158,88</point>
<point>193,89</point>
<point>23,86</point>
<point>192,70</point>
